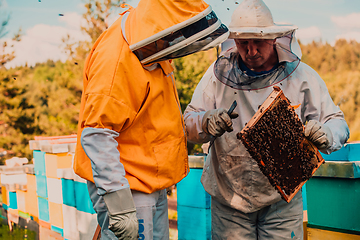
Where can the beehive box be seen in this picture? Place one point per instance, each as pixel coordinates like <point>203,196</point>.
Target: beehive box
<point>275,138</point>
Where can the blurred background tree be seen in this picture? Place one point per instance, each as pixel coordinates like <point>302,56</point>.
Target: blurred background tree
<point>6,51</point>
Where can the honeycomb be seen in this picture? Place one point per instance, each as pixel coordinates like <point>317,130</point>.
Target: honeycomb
<point>275,139</point>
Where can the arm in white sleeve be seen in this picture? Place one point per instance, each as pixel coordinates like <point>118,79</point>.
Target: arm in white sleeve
<point>193,123</point>
<point>320,107</point>
<point>202,101</point>
<point>100,146</point>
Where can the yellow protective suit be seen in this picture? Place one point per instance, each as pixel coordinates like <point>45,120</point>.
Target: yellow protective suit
<point>141,105</point>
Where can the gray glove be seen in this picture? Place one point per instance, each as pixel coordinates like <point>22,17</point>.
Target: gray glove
<point>319,134</point>
<point>217,121</point>
<point>122,214</point>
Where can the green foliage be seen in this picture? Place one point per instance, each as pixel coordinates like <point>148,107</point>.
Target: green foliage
<point>339,66</point>
<point>97,14</point>
<point>188,72</point>
<point>44,100</point>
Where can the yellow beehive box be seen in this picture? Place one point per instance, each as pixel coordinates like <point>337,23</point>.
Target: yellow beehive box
<point>31,182</point>
<point>13,215</point>
<point>56,161</point>
<point>5,197</point>
<point>31,204</point>
<point>56,215</point>
<point>319,234</point>
<point>21,200</point>
<point>47,234</point>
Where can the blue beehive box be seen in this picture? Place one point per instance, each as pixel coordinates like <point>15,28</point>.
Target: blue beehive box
<point>190,191</point>
<point>340,155</point>
<point>349,152</point>
<point>194,223</point>
<point>12,200</point>
<point>193,204</point>
<point>41,186</point>
<point>4,206</point>
<point>58,230</point>
<point>39,165</point>
<point>333,204</point>
<point>43,204</point>
<point>82,198</point>
<point>303,190</point>
<point>68,191</point>
<point>333,192</point>
<point>354,151</point>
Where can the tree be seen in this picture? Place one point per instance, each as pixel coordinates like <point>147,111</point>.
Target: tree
<point>97,16</point>
<point>6,51</point>
<point>188,72</point>
<point>338,65</point>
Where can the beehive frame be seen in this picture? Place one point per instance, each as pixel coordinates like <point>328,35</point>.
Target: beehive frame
<point>309,157</point>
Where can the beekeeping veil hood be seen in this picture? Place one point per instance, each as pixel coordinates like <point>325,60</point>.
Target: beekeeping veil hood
<point>252,19</point>
<point>158,30</point>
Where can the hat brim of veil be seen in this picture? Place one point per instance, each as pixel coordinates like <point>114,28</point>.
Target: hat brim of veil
<point>271,32</point>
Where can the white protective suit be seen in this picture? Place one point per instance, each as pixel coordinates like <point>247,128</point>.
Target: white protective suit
<point>230,174</point>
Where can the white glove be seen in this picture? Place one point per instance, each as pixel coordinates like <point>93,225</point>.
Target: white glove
<point>319,134</point>
<point>217,121</point>
<point>122,214</point>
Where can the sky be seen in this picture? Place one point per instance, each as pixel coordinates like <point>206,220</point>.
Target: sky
<point>45,22</point>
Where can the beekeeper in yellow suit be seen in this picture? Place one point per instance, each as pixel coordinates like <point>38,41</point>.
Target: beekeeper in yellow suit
<point>131,137</point>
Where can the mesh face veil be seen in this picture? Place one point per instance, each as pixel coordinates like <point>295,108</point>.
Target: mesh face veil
<point>252,19</point>
<point>196,34</point>
<point>227,71</point>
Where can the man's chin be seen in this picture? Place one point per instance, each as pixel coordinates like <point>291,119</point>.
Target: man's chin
<point>253,67</point>
<point>253,64</point>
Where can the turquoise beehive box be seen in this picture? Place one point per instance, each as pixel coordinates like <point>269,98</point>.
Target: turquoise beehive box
<point>41,186</point>
<point>12,200</point>
<point>68,192</point>
<point>39,165</point>
<point>193,204</point>
<point>43,204</point>
<point>333,193</point>
<point>82,198</point>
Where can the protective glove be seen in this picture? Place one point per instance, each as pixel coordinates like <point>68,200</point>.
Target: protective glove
<point>217,121</point>
<point>122,214</point>
<point>319,134</point>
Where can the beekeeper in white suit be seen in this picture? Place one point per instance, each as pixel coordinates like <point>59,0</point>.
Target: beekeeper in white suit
<point>265,54</point>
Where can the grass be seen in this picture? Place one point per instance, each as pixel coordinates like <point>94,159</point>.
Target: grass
<point>16,234</point>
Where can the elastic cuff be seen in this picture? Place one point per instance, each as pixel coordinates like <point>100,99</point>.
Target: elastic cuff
<point>205,121</point>
<point>120,202</point>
